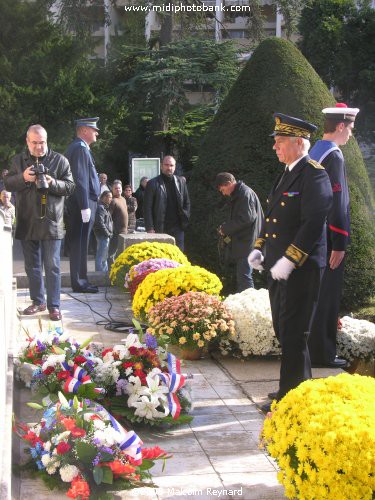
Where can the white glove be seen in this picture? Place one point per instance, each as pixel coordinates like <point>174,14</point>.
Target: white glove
<point>255,260</point>
<point>86,215</point>
<point>282,269</point>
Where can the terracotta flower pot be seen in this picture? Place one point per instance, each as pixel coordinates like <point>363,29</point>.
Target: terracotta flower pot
<point>186,353</point>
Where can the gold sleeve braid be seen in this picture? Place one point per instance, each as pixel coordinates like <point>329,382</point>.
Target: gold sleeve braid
<point>259,243</point>
<point>296,255</point>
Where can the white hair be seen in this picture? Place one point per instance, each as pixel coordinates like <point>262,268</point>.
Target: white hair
<point>305,143</point>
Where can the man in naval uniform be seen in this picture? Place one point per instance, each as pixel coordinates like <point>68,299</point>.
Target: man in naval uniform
<point>338,126</point>
<point>292,246</point>
<point>81,206</point>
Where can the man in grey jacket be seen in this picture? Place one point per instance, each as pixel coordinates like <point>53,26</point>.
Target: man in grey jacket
<point>242,227</point>
<point>166,206</point>
<point>39,222</point>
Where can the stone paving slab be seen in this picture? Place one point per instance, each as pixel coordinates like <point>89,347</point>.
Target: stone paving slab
<point>216,453</point>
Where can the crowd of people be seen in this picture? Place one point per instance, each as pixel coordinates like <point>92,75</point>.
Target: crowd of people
<point>299,241</point>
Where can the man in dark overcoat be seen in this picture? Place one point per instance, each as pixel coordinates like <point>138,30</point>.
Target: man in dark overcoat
<point>166,205</point>
<point>81,206</point>
<point>242,226</point>
<point>292,246</point>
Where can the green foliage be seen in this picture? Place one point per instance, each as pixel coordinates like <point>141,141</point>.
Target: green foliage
<point>277,78</point>
<point>153,83</point>
<point>338,40</point>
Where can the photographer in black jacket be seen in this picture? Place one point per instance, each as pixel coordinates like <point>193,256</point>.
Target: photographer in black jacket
<point>41,178</point>
<point>242,228</point>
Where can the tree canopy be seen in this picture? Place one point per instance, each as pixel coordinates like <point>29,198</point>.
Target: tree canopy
<point>277,78</point>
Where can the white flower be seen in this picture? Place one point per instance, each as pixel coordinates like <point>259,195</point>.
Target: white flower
<point>68,473</point>
<point>356,339</point>
<point>60,437</point>
<point>155,390</point>
<point>251,312</point>
<point>25,372</point>
<point>147,409</point>
<point>135,390</point>
<point>53,360</point>
<point>122,351</point>
<point>51,470</point>
<point>47,446</point>
<point>46,459</point>
<point>108,357</point>
<point>99,424</point>
<point>105,374</point>
<point>132,340</point>
<point>108,436</point>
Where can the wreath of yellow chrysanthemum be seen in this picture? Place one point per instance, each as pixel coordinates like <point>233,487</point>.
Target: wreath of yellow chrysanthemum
<point>171,282</point>
<point>322,435</point>
<point>138,253</point>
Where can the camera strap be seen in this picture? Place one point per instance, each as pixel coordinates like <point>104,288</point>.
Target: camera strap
<point>43,206</point>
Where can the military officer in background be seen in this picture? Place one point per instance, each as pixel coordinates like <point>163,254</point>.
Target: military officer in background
<point>81,206</point>
<point>338,126</point>
<point>292,246</point>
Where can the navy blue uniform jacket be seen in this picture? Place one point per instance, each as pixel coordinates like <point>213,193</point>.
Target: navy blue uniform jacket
<point>295,217</point>
<point>84,173</point>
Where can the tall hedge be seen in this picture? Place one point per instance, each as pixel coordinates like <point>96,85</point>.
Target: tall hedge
<point>276,78</point>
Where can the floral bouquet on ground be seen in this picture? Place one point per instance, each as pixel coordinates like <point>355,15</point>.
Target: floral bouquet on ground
<point>356,339</point>
<point>172,282</point>
<point>255,335</point>
<point>138,253</point>
<point>50,363</point>
<point>143,383</point>
<point>192,320</point>
<point>80,447</point>
<point>322,435</point>
<point>138,272</point>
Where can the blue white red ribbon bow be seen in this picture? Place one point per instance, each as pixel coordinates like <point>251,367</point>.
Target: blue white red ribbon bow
<point>78,377</point>
<point>174,380</point>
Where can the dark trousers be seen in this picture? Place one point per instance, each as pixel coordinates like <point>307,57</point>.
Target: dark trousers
<point>322,340</point>
<point>178,235</point>
<point>293,303</point>
<point>38,254</point>
<point>244,275</point>
<point>77,235</point>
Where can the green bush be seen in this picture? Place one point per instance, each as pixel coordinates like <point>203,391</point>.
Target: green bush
<point>277,78</point>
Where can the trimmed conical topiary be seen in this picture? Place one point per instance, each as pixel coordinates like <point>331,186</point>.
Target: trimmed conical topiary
<point>277,78</point>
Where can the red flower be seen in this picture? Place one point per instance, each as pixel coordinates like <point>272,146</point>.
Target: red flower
<point>138,366</point>
<point>133,350</point>
<point>80,359</point>
<point>49,370</point>
<point>155,452</point>
<point>106,351</point>
<point>32,438</point>
<point>63,448</point>
<point>69,423</point>
<point>78,432</point>
<point>127,364</point>
<point>79,488</point>
<point>63,375</point>
<point>118,468</point>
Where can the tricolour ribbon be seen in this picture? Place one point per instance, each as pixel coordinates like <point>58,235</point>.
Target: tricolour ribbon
<point>78,377</point>
<point>174,380</point>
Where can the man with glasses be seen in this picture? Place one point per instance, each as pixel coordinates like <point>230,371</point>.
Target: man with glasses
<point>39,223</point>
<point>81,206</point>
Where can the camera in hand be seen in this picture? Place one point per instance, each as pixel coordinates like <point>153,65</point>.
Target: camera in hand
<point>41,181</point>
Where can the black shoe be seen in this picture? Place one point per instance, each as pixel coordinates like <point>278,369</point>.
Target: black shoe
<point>336,363</point>
<point>273,395</point>
<point>266,408</point>
<point>87,289</point>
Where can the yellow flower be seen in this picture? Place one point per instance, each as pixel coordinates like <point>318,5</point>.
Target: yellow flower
<point>200,343</point>
<point>182,340</point>
<point>196,336</point>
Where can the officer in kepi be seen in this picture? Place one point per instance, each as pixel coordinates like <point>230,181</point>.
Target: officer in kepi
<point>292,247</point>
<point>81,206</point>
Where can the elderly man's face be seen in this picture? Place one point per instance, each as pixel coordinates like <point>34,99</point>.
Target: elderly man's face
<point>37,143</point>
<point>5,198</point>
<point>168,166</point>
<point>117,190</point>
<point>288,149</point>
<point>103,179</point>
